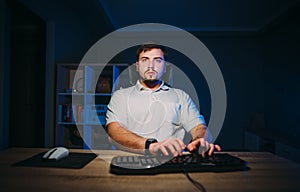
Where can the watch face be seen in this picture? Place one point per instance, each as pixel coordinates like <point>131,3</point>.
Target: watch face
<point>149,141</point>
<point>79,85</point>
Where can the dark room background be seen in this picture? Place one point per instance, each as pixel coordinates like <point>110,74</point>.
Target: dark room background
<point>260,66</point>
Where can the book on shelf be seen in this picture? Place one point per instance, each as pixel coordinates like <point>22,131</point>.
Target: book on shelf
<point>70,114</point>
<point>100,114</point>
<point>76,114</point>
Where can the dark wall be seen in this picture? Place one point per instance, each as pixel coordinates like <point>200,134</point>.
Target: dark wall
<point>281,80</point>
<point>27,34</point>
<point>239,58</point>
<point>74,25</point>
<point>4,67</point>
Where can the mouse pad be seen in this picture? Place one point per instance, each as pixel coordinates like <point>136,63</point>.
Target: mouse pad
<point>72,161</point>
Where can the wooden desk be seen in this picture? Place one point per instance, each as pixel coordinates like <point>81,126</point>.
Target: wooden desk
<point>268,173</point>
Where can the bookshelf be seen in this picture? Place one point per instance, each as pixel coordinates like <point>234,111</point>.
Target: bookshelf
<point>83,92</point>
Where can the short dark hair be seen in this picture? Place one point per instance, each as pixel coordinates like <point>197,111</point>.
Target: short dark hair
<point>148,46</point>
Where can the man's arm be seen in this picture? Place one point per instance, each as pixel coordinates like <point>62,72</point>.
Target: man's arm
<point>200,131</point>
<point>129,141</point>
<point>201,138</point>
<point>125,139</point>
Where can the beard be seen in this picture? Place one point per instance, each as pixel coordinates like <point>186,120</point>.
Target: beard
<point>151,82</point>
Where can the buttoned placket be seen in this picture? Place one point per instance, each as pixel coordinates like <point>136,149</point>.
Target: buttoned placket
<point>152,96</point>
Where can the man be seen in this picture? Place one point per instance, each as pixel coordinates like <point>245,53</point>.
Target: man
<point>153,118</point>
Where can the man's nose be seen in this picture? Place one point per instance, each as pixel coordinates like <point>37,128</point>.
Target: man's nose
<point>151,65</point>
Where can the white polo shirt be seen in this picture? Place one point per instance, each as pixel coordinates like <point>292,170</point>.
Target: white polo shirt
<point>162,113</point>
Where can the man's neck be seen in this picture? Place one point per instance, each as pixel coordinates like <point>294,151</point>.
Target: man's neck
<point>151,84</point>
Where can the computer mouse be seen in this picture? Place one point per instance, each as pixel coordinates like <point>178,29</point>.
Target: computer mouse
<point>56,153</point>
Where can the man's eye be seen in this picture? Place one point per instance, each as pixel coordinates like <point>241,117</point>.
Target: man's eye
<point>144,60</point>
<point>158,61</point>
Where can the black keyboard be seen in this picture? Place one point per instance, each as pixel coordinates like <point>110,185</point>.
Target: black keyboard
<point>218,162</point>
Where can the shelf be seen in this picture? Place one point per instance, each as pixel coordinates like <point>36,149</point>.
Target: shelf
<point>70,94</point>
<point>98,94</point>
<point>78,102</point>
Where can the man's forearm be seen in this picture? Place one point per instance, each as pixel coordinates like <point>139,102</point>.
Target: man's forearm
<point>201,131</point>
<point>125,139</point>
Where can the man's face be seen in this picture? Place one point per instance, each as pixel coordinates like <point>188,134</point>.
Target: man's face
<point>151,65</point>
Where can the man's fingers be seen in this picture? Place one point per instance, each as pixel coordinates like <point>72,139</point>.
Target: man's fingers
<point>218,147</point>
<point>163,150</point>
<point>171,146</point>
<point>179,146</point>
<point>175,146</point>
<point>211,149</point>
<point>204,147</point>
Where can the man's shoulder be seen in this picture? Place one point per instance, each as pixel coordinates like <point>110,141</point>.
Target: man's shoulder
<point>124,90</point>
<point>180,93</point>
<point>178,90</point>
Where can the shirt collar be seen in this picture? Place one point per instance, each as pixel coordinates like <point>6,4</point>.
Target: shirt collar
<point>163,87</point>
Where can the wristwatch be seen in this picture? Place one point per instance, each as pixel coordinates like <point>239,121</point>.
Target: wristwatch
<point>147,144</point>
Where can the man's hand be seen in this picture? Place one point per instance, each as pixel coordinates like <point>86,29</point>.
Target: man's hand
<point>168,147</point>
<point>203,146</point>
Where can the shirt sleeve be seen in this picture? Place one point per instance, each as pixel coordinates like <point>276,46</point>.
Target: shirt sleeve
<point>116,109</point>
<point>190,115</point>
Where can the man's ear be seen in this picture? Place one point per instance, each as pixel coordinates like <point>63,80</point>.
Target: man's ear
<point>136,66</point>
